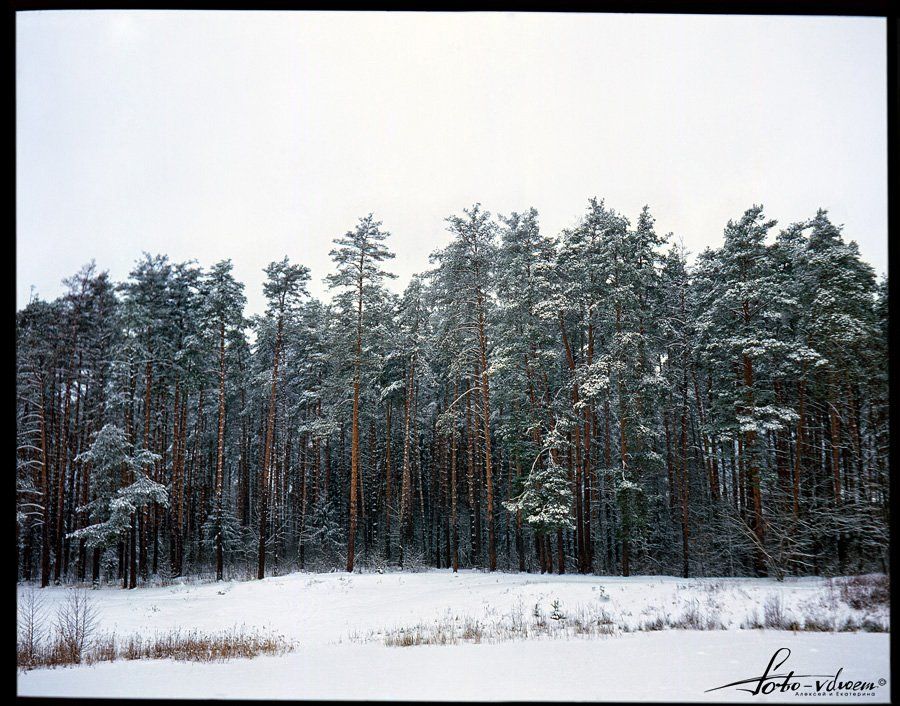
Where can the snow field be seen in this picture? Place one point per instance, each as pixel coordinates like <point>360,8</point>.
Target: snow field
<point>339,623</point>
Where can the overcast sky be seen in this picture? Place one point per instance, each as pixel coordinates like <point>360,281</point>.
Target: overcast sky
<point>207,135</point>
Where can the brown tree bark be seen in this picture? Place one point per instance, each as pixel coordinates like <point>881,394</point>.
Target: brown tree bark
<point>454,521</point>
<point>406,477</point>
<point>801,442</point>
<point>587,469</point>
<point>561,557</point>
<point>581,558</point>
<point>835,456</point>
<point>486,417</point>
<point>685,526</point>
<point>220,453</point>
<point>45,487</point>
<point>707,449</point>
<point>61,464</point>
<point>752,472</point>
<point>387,479</point>
<point>354,433</point>
<point>470,478</point>
<point>268,453</point>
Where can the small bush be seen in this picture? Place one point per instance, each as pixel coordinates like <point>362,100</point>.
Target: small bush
<point>76,622</point>
<point>403,639</point>
<point>660,622</point>
<point>603,617</point>
<point>104,649</point>
<point>194,646</point>
<point>31,615</point>
<point>557,613</point>
<point>773,612</point>
<point>849,625</point>
<point>814,623</point>
<point>866,592</point>
<point>695,619</point>
<point>472,630</point>
<point>439,633</point>
<point>752,622</point>
<point>515,625</point>
<point>870,625</point>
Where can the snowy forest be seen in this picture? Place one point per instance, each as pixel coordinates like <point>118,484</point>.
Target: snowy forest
<point>590,402</point>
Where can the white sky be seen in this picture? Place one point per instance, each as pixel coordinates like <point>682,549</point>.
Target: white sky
<point>254,135</point>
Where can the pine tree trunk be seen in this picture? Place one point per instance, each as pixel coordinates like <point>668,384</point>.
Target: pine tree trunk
<point>61,464</point>
<point>268,453</point>
<point>406,479</point>
<point>628,510</point>
<point>561,557</point>
<point>486,416</point>
<point>577,480</point>
<point>45,490</point>
<point>454,520</point>
<point>387,480</point>
<point>132,553</point>
<point>586,472</point>
<point>707,448</point>
<point>354,471</point>
<point>142,542</point>
<point>220,454</point>
<point>354,433</point>
<point>244,460</point>
<point>685,526</point>
<point>71,453</point>
<point>520,537</point>
<point>670,466</point>
<point>752,472</point>
<point>445,491</point>
<point>470,478</point>
<point>835,427</point>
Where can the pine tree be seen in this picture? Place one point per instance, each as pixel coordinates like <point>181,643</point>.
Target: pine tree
<point>224,301</point>
<point>113,508</point>
<point>467,263</point>
<point>358,259</point>
<point>285,284</point>
<point>726,417</point>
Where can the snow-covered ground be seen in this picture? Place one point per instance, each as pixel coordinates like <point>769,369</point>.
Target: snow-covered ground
<point>338,622</point>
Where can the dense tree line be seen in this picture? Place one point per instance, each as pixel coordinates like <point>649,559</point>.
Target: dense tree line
<point>587,402</point>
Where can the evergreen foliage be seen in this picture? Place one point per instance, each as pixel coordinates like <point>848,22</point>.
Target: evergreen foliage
<point>588,401</point>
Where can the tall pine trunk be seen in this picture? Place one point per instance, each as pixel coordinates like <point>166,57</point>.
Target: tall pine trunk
<point>486,417</point>
<point>406,478</point>
<point>387,480</point>
<point>268,453</point>
<point>220,453</point>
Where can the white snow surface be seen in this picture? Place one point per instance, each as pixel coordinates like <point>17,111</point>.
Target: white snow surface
<point>337,621</point>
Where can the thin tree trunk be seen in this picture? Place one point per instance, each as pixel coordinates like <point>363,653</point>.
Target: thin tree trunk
<point>561,557</point>
<point>220,454</point>
<point>470,477</point>
<point>62,455</point>
<point>387,480</point>
<point>685,526</point>
<point>486,416</point>
<point>835,423</point>
<point>752,471</point>
<point>267,453</point>
<point>45,489</point>
<point>406,478</point>
<point>454,521</point>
